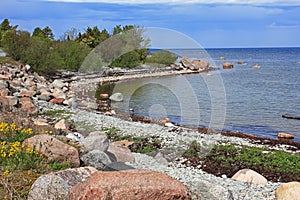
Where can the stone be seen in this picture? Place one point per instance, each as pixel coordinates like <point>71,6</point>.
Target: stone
<point>250,176</point>
<point>117,166</point>
<point>169,124</point>
<point>57,185</point>
<point>40,122</point>
<point>96,158</point>
<point>12,100</point>
<point>256,66</point>
<point>94,141</point>
<point>5,77</point>
<point>92,105</point>
<point>282,135</point>
<point>202,189</point>
<point>27,105</point>
<point>104,96</point>
<point>288,191</point>
<point>27,93</point>
<point>53,149</point>
<point>186,62</point>
<point>43,97</point>
<point>75,136</point>
<point>129,184</point>
<point>200,64</point>
<point>59,94</point>
<point>58,101</point>
<point>118,97</point>
<point>222,58</point>
<point>124,143</point>
<point>3,84</point>
<point>159,157</point>
<point>58,84</point>
<point>227,65</point>
<point>27,67</point>
<point>63,124</point>
<point>4,92</point>
<point>122,153</point>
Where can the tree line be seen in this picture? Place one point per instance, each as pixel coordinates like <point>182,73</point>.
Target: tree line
<point>124,47</point>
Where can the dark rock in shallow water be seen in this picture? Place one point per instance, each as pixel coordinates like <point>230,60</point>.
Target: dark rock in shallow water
<point>288,116</point>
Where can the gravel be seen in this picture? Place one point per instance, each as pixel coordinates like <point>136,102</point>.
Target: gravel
<point>174,141</point>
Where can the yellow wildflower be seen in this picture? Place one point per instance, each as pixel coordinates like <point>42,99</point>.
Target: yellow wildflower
<point>5,173</point>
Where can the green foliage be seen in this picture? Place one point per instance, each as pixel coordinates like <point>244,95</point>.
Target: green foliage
<point>46,33</point>
<point>162,57</point>
<point>56,113</point>
<point>141,144</point>
<point>193,151</point>
<point>282,165</point>
<point>56,166</point>
<point>129,60</point>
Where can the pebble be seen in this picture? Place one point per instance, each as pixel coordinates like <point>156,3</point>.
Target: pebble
<point>172,140</point>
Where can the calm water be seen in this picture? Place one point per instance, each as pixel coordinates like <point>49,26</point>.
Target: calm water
<point>240,99</point>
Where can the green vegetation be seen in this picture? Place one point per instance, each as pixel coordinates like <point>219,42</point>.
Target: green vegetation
<point>162,57</point>
<point>275,165</point>
<point>142,144</point>
<point>21,165</point>
<point>56,113</point>
<point>125,47</point>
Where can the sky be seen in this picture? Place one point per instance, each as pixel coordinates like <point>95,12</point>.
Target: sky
<point>210,23</point>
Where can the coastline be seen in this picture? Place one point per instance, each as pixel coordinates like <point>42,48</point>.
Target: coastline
<point>96,79</point>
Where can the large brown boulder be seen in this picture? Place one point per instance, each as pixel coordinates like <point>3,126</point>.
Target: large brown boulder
<point>54,149</point>
<point>129,184</point>
<point>288,191</point>
<point>186,63</point>
<point>57,185</point>
<point>200,64</point>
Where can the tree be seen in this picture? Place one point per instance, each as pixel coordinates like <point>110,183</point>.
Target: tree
<point>162,57</point>
<point>4,27</point>
<point>71,34</point>
<point>45,33</point>
<point>15,43</point>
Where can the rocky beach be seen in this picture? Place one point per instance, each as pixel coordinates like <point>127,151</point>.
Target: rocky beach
<point>96,157</point>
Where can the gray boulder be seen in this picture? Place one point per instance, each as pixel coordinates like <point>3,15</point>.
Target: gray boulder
<point>117,166</point>
<point>58,84</point>
<point>95,141</point>
<point>118,97</point>
<point>97,159</point>
<point>57,185</point>
<point>202,189</point>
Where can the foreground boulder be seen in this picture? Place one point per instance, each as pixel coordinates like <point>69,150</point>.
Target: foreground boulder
<point>250,176</point>
<point>57,185</point>
<point>129,184</point>
<point>97,159</point>
<point>54,149</point>
<point>288,191</point>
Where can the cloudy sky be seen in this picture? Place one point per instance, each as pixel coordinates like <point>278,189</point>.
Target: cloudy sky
<point>211,23</point>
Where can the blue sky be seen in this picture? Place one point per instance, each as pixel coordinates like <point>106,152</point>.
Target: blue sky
<point>211,23</point>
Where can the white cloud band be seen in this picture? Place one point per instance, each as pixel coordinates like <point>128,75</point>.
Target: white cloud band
<point>239,2</point>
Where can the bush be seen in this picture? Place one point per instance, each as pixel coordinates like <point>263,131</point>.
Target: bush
<point>162,57</point>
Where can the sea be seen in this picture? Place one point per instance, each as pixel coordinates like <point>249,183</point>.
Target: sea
<point>240,99</point>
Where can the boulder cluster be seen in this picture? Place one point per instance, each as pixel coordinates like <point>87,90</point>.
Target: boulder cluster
<point>194,65</point>
<point>18,86</point>
<point>103,173</point>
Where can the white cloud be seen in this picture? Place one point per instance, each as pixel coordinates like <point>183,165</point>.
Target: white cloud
<point>247,2</point>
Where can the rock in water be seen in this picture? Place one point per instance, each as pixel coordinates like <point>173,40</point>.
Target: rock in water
<point>129,184</point>
<point>227,65</point>
<point>118,97</point>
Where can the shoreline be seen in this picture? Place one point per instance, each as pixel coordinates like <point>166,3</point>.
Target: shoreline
<point>112,79</point>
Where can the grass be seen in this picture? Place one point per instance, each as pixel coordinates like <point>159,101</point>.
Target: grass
<point>56,113</point>
<point>275,165</point>
<point>21,165</point>
<point>142,144</point>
